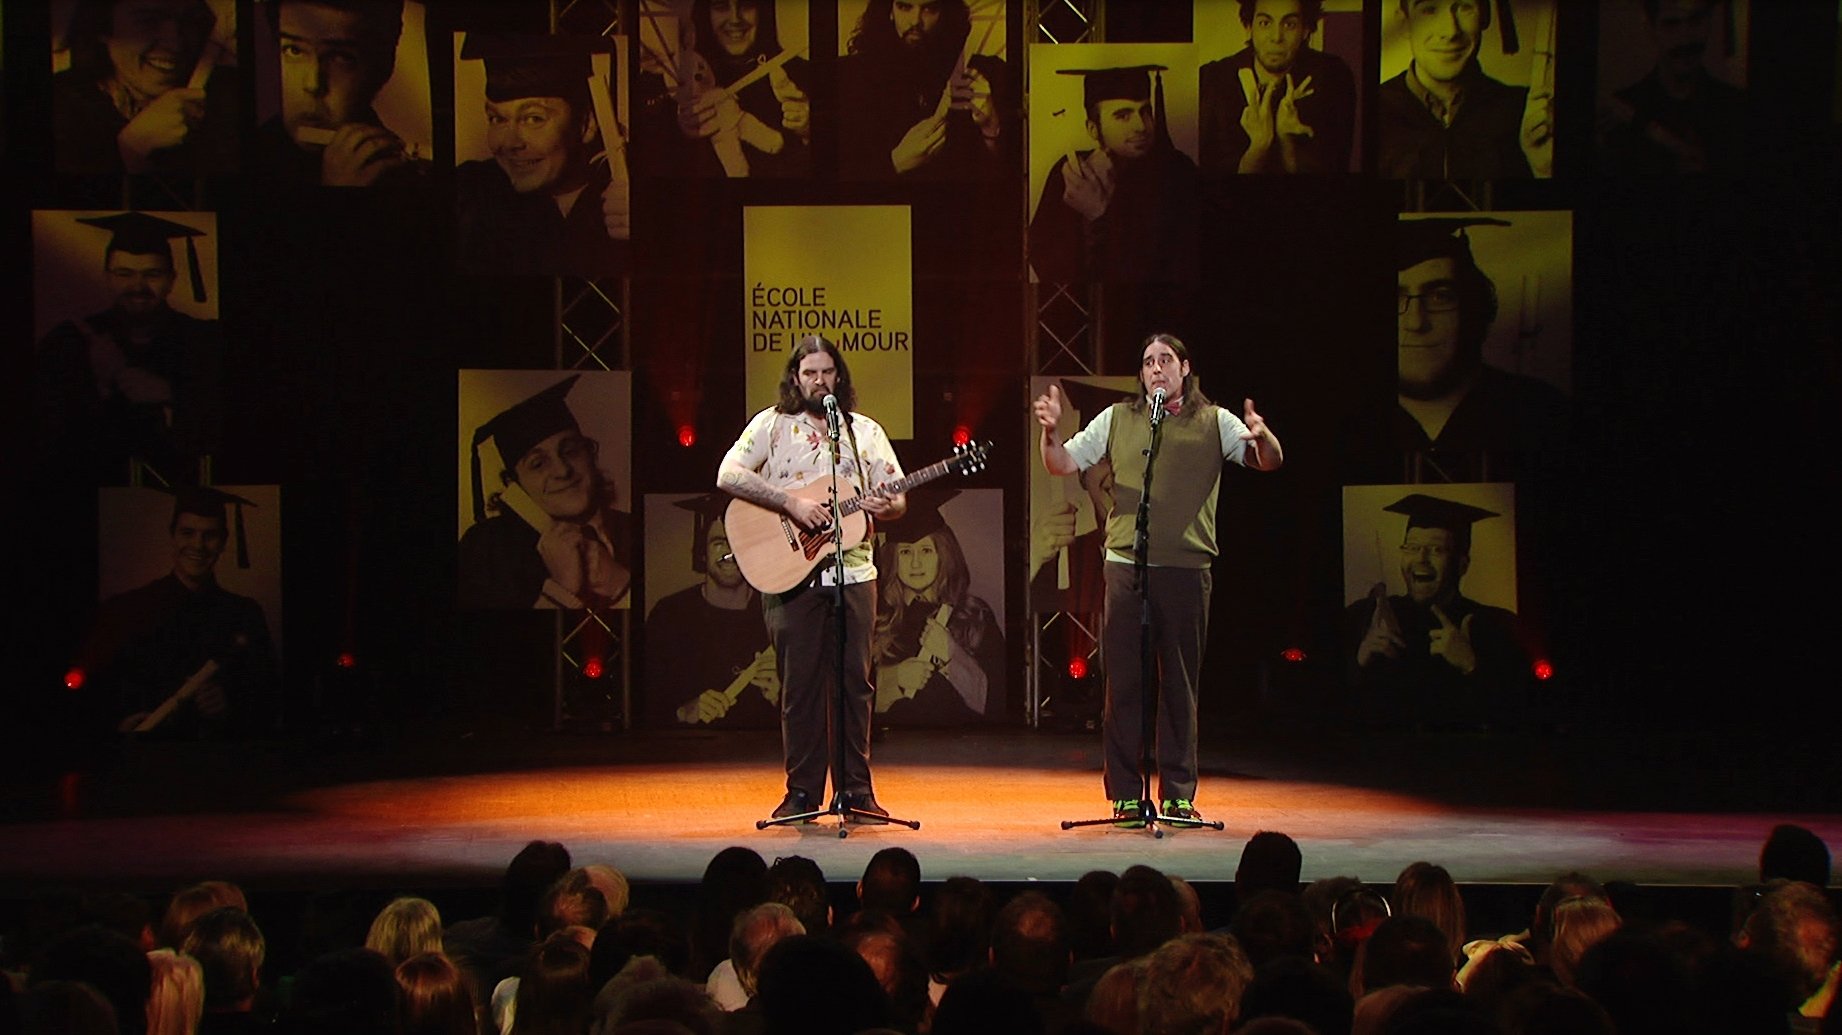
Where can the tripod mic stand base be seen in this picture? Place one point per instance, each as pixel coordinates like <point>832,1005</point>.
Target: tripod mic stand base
<point>1148,818</point>
<point>848,816</point>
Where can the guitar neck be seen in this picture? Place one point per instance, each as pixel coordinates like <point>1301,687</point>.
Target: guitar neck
<point>902,484</point>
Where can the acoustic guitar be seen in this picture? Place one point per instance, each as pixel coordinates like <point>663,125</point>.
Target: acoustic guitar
<point>776,554</point>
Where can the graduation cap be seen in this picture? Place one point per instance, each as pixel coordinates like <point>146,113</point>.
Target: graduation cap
<point>519,428</point>
<point>207,502</point>
<point>138,233</point>
<point>1124,83</point>
<point>1425,511</point>
<point>707,509</point>
<point>923,517</point>
<point>533,66</point>
<point>1440,237</point>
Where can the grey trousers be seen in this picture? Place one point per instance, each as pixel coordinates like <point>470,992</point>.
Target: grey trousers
<point>1179,602</point>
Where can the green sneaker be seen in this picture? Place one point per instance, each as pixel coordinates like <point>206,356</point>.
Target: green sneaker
<point>1178,808</point>
<point>1127,809</point>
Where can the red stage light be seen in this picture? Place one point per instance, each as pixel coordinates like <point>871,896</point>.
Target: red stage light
<point>1543,670</point>
<point>592,668</point>
<point>1292,654</point>
<point>1077,668</point>
<point>73,680</point>
<point>961,435</point>
<point>346,659</point>
<point>687,435</point>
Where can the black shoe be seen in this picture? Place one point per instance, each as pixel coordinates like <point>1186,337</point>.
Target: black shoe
<point>865,810</point>
<point>793,804</point>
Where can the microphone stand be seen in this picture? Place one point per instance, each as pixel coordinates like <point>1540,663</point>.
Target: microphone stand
<point>840,806</point>
<point>1148,815</point>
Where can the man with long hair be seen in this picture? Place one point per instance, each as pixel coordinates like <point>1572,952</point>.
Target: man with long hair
<point>904,58</point>
<point>1193,436</point>
<point>784,448</point>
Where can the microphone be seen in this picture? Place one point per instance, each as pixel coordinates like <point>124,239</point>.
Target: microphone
<point>1157,405</point>
<point>831,413</point>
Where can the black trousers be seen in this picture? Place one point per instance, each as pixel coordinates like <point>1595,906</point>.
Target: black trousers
<point>802,624</point>
<point>1179,599</point>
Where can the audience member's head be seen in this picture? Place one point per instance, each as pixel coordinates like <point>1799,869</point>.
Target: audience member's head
<point>644,931</point>
<point>1276,1026</point>
<point>1029,943</point>
<point>891,882</point>
<point>1572,884</point>
<point>437,998</point>
<point>612,884</point>
<point>1639,980</point>
<point>735,879</point>
<point>1271,924</point>
<point>1406,950</point>
<point>188,904</point>
<point>814,986</point>
<point>799,884</point>
<point>1794,853</point>
<point>754,933</point>
<point>229,947</point>
<point>637,999</point>
<point>1344,913</point>
<point>1293,986</point>
<point>1113,1002</point>
<point>959,926</point>
<point>1436,1011</point>
<point>124,912</point>
<point>895,959</point>
<point>1794,928</point>
<point>1579,924</point>
<point>1189,904</point>
<point>1270,861</point>
<point>1540,1008</point>
<point>572,900</point>
<point>350,991</point>
<point>1493,969</point>
<point>1145,912</point>
<point>1195,983</point>
<point>1741,991</point>
<point>1426,889</point>
<point>554,996</point>
<point>537,865</point>
<point>64,1007</point>
<point>986,1002</point>
<point>404,928</point>
<point>1090,910</point>
<point>108,961</point>
<point>178,997</point>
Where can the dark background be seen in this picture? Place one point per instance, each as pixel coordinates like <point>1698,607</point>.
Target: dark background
<point>1680,573</point>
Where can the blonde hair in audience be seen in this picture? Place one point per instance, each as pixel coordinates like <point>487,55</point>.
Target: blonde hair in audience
<point>176,1002</point>
<point>404,928</point>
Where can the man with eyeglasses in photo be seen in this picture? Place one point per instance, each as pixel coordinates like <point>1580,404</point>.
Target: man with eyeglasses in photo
<point>1464,419</point>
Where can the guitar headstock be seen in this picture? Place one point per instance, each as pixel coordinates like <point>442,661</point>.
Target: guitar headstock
<point>969,458</point>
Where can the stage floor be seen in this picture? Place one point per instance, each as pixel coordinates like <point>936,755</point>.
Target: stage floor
<point>452,808</point>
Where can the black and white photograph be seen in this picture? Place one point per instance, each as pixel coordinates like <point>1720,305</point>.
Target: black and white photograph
<point>1068,515</point>
<point>145,87</point>
<point>546,518</point>
<point>1672,88</point>
<point>186,640</point>
<point>724,89</point>
<point>541,184</point>
<point>927,91</point>
<point>708,660</point>
<point>1468,89</point>
<point>128,361</point>
<point>1429,573</point>
<point>937,649</point>
<point>342,93</point>
<point>1279,88</point>
<point>1113,175</point>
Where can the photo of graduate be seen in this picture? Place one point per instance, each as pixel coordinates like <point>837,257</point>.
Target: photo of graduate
<point>184,644</point>
<point>145,86</point>
<point>342,93</point>
<point>1430,631</point>
<point>544,470</point>
<point>1467,89</point>
<point>937,648</point>
<point>128,366</point>
<point>541,184</point>
<point>724,89</point>
<point>926,90</point>
<point>1113,173</point>
<point>1277,89</point>
<point>708,659</point>
<point>1672,88</point>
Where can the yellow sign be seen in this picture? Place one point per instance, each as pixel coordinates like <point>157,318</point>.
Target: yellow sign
<point>830,270</point>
